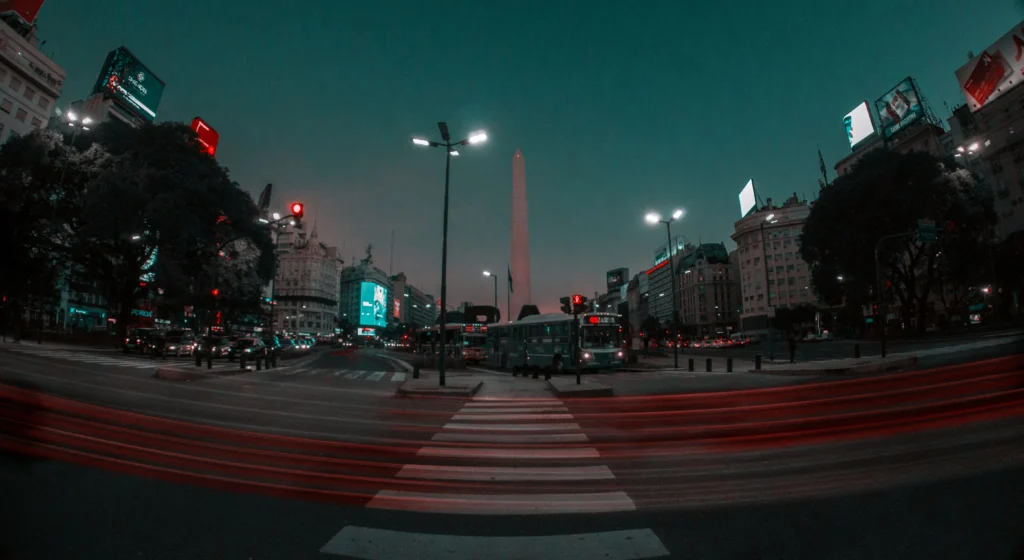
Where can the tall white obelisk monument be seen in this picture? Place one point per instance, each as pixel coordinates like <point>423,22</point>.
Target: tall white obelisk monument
<point>519,260</point>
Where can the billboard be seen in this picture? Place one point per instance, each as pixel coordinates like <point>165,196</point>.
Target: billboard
<point>859,124</point>
<point>208,137</point>
<point>373,305</point>
<point>995,71</point>
<point>616,278</point>
<point>27,9</point>
<point>129,80</point>
<point>398,309</point>
<point>747,199</point>
<point>899,108</point>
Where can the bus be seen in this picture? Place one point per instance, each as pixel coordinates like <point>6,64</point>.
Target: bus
<point>466,340</point>
<point>548,342</point>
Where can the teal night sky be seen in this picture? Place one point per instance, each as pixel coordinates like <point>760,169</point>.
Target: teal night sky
<point>619,108</point>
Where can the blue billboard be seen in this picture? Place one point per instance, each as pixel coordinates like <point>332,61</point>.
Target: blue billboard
<point>129,80</point>
<point>373,305</point>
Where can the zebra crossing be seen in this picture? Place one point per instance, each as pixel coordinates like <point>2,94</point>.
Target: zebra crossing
<point>503,457</point>
<point>360,375</point>
<point>97,358</point>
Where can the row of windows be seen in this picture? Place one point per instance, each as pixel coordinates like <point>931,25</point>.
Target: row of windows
<point>28,93</point>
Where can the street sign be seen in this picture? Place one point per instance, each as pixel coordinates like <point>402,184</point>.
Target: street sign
<point>926,232</point>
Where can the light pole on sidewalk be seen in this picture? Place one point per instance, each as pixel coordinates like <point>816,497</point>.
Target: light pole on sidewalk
<point>450,150</point>
<point>654,218</point>
<point>495,278</point>
<point>764,259</point>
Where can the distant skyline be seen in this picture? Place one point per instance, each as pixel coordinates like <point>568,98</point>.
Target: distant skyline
<point>620,110</point>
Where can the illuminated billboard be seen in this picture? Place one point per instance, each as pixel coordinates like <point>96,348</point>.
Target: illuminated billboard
<point>373,305</point>
<point>747,199</point>
<point>616,278</point>
<point>208,137</point>
<point>129,80</point>
<point>899,108</point>
<point>859,124</point>
<point>995,71</point>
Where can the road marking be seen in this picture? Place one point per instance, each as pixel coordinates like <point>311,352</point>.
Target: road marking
<point>479,411</point>
<point>296,372</point>
<point>379,544</point>
<point>510,438</point>
<point>505,474</point>
<point>512,417</point>
<point>398,376</point>
<point>502,453</point>
<point>485,370</point>
<point>514,427</point>
<point>353,375</point>
<point>340,371</point>
<point>514,402</point>
<point>503,504</point>
<point>376,376</point>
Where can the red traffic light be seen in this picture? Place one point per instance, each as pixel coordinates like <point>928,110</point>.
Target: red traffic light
<point>297,209</point>
<point>577,299</point>
<point>215,292</point>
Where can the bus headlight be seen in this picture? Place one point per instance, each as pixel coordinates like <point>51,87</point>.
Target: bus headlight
<point>586,355</point>
<point>619,354</point>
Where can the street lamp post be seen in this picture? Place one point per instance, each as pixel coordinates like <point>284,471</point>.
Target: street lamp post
<point>654,218</point>
<point>768,292</point>
<point>495,278</point>
<point>450,150</point>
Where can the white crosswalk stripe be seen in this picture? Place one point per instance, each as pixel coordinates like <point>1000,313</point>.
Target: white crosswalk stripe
<point>398,376</point>
<point>375,376</point>
<point>353,375</point>
<point>361,375</point>
<point>500,442</point>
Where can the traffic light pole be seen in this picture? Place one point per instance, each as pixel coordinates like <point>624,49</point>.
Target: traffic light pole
<point>579,347</point>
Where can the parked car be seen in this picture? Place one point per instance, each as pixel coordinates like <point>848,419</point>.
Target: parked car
<point>181,345</point>
<point>217,345</point>
<point>250,347</point>
<point>137,340</point>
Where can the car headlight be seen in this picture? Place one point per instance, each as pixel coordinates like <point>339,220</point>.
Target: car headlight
<point>586,355</point>
<point>172,347</point>
<point>619,354</point>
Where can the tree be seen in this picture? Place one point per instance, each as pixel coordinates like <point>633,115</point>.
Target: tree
<point>786,318</point>
<point>886,194</point>
<point>152,216</point>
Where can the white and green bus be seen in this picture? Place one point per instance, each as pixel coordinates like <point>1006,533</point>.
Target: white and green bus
<point>550,341</point>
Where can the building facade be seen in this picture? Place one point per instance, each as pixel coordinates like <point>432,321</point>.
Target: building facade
<point>709,291</point>
<point>30,83</point>
<point>412,307</point>
<point>359,309</point>
<point>768,241</point>
<point>659,280</point>
<point>306,283</point>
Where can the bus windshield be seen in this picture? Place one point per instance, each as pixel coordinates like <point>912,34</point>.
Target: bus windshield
<point>605,336</point>
<point>474,341</point>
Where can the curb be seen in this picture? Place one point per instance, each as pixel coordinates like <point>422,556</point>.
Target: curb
<point>172,374</point>
<point>569,388</point>
<point>417,388</point>
<point>880,366</point>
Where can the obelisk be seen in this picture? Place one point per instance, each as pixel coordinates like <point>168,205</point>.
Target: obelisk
<point>520,254</point>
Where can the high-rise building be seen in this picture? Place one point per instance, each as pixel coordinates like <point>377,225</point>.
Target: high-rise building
<point>772,245</point>
<point>306,283</point>
<point>412,307</point>
<point>709,291</point>
<point>365,300</point>
<point>519,260</point>
<point>659,280</point>
<point>30,82</point>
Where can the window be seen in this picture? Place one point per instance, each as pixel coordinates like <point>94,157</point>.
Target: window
<point>36,122</point>
<point>43,102</point>
<point>6,106</point>
<point>15,83</point>
<point>30,93</point>
<point>3,73</point>
<point>21,115</point>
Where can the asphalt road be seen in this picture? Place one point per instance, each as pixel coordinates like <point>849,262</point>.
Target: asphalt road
<point>55,510</point>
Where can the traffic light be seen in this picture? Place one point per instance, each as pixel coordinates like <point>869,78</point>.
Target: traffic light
<point>297,210</point>
<point>215,292</point>
<point>579,303</point>
<point>566,305</point>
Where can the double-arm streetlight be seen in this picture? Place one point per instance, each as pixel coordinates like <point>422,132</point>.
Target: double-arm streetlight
<point>495,278</point>
<point>655,218</point>
<point>450,150</point>
<point>764,258</point>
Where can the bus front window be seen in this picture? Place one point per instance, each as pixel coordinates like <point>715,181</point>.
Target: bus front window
<point>606,337</point>
<point>470,341</point>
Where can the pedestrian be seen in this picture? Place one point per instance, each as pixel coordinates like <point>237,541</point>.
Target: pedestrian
<point>792,347</point>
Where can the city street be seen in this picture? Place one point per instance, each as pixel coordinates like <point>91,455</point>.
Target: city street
<point>324,467</point>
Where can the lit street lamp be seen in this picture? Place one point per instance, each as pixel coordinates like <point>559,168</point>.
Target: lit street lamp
<point>764,261</point>
<point>450,150</point>
<point>495,278</point>
<point>655,218</point>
